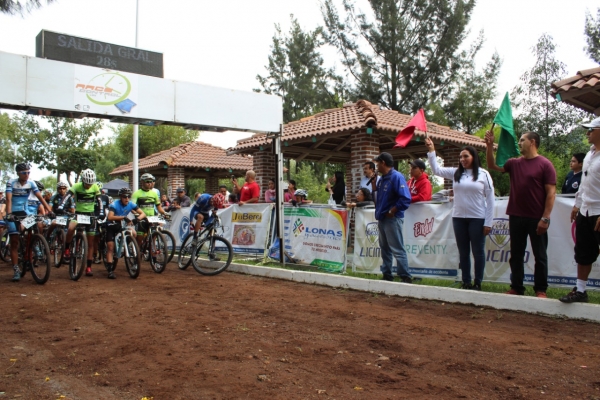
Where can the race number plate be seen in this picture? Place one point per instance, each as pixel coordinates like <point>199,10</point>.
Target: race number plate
<point>62,221</point>
<point>28,222</point>
<point>155,220</point>
<point>83,219</point>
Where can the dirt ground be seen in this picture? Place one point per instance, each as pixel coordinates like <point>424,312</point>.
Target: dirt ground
<point>180,335</point>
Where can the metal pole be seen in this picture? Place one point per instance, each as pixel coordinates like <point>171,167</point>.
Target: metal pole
<point>136,127</point>
<point>280,198</point>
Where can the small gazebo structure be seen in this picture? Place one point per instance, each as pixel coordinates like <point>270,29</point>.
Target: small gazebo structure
<point>581,91</point>
<point>353,134</point>
<point>188,161</point>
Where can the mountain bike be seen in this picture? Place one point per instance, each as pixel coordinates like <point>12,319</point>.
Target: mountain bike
<point>56,239</point>
<point>169,237</point>
<point>79,245</point>
<point>34,254</point>
<point>5,246</point>
<point>154,247</point>
<point>126,246</point>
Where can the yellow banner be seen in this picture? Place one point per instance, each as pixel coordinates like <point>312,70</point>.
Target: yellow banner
<point>246,217</point>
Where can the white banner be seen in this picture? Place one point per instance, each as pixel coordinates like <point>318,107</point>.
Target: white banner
<point>247,227</point>
<point>109,92</point>
<point>316,236</point>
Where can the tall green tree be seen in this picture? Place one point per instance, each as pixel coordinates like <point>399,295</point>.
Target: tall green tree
<point>152,139</point>
<point>538,111</point>
<point>296,73</point>
<point>13,7</point>
<point>407,55</point>
<point>8,129</point>
<point>592,36</point>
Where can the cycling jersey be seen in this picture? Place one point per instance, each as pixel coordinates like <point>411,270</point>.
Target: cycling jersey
<point>84,198</point>
<point>33,204</point>
<point>120,210</point>
<point>146,200</point>
<point>57,200</point>
<point>20,194</point>
<point>204,203</point>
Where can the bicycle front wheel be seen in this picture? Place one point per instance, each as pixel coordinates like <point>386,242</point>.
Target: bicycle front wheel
<point>212,255</point>
<point>157,250</point>
<point>133,257</point>
<point>40,259</point>
<point>57,246</point>
<point>185,253</point>
<point>79,249</point>
<point>170,243</point>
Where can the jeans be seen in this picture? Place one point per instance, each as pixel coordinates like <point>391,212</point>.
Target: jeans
<point>520,228</point>
<point>469,235</point>
<point>392,246</point>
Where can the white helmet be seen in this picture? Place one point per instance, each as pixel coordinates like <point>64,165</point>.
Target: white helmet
<point>301,192</point>
<point>147,177</point>
<point>88,176</point>
<point>62,184</point>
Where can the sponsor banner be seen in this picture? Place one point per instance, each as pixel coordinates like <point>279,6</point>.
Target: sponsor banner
<point>316,236</point>
<point>428,241</point>
<point>247,227</point>
<point>179,225</point>
<point>103,91</point>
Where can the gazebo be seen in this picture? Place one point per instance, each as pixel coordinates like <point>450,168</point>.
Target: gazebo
<point>189,161</point>
<point>352,134</point>
<point>581,91</point>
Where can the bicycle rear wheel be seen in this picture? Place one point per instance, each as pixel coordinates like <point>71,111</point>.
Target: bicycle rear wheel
<point>79,249</point>
<point>170,243</point>
<point>212,255</point>
<point>40,259</point>
<point>57,246</point>
<point>157,250</point>
<point>134,259</point>
<point>185,253</point>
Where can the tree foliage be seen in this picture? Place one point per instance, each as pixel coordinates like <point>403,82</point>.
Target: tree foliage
<point>592,36</point>
<point>407,55</point>
<point>8,130</point>
<point>152,139</point>
<point>13,7</point>
<point>296,73</point>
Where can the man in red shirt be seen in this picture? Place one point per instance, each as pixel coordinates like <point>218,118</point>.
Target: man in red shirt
<point>419,185</point>
<point>250,192</point>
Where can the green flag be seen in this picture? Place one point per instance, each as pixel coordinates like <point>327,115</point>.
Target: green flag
<point>507,145</point>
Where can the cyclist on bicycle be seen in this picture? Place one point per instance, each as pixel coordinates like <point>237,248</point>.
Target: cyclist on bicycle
<point>201,211</point>
<point>100,211</point>
<point>147,199</point>
<point>56,200</point>
<point>117,212</point>
<point>86,194</point>
<point>17,202</point>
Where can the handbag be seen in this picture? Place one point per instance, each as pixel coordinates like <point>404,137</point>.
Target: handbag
<point>331,201</point>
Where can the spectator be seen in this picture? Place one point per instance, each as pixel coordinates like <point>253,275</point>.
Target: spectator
<point>233,199</point>
<point>196,195</point>
<point>338,190</point>
<point>250,192</point>
<point>271,193</point>
<point>573,178</point>
<point>419,185</point>
<point>532,192</point>
<point>393,198</point>
<point>289,195</point>
<point>473,210</point>
<point>300,197</point>
<point>181,200</point>
<point>369,172</point>
<point>363,199</point>
<point>164,201</point>
<point>586,214</point>
<point>223,190</point>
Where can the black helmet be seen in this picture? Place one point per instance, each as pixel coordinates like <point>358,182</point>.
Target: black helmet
<point>22,167</point>
<point>40,185</point>
<point>125,192</point>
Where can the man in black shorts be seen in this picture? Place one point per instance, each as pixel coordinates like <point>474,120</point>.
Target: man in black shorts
<point>586,213</point>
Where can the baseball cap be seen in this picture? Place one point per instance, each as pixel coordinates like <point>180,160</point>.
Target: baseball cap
<point>180,190</point>
<point>594,124</point>
<point>385,158</point>
<point>418,163</point>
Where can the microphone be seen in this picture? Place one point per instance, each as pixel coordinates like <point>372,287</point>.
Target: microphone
<point>371,180</point>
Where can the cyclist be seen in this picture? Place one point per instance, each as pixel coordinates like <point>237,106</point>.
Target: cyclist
<point>17,201</point>
<point>202,207</point>
<point>117,212</point>
<point>85,193</point>
<point>147,199</point>
<point>100,211</point>
<point>57,199</point>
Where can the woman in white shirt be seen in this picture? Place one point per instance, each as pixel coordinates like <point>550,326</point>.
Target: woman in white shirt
<point>473,209</point>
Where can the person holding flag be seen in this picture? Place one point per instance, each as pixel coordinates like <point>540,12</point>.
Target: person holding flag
<point>531,199</point>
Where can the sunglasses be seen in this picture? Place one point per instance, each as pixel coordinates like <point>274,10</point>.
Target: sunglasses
<point>24,172</point>
<point>125,196</point>
<point>148,181</point>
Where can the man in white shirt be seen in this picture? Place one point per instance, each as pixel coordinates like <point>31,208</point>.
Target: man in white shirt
<point>369,172</point>
<point>586,213</point>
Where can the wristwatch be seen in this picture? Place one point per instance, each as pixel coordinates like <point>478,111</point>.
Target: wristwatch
<point>546,220</point>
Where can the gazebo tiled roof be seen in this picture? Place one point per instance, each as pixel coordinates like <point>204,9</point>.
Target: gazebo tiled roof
<point>196,156</point>
<point>581,90</point>
<point>330,131</point>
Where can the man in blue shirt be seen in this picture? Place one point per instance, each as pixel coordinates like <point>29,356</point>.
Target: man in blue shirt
<point>393,197</point>
<point>573,179</point>
<point>200,211</point>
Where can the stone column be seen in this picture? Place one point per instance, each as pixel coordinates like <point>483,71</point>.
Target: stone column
<point>211,184</point>
<point>176,179</point>
<point>264,164</point>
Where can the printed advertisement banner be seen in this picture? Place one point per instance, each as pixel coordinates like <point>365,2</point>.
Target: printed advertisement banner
<point>108,92</point>
<point>316,236</point>
<point>247,227</point>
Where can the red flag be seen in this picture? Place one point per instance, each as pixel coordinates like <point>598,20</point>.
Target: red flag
<point>406,134</point>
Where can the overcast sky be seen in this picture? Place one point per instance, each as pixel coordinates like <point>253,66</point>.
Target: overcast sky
<point>226,43</point>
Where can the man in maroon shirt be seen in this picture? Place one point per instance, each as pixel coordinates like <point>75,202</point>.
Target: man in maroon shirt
<point>532,192</point>
<point>250,192</point>
<point>419,185</point>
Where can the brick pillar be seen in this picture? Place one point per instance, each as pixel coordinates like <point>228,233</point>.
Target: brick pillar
<point>211,184</point>
<point>451,159</point>
<point>176,179</point>
<point>264,164</point>
<point>130,179</point>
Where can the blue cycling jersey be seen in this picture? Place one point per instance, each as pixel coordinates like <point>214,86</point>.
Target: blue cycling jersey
<point>33,204</point>
<point>20,194</point>
<point>120,210</point>
<point>203,203</point>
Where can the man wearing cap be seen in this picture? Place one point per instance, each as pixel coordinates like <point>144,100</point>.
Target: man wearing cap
<point>419,185</point>
<point>586,214</point>
<point>393,198</point>
<point>181,200</point>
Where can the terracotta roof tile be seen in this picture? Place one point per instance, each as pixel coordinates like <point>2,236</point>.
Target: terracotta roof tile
<point>581,90</point>
<point>191,155</point>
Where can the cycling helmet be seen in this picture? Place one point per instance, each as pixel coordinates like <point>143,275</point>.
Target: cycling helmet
<point>301,192</point>
<point>147,177</point>
<point>99,184</point>
<point>22,167</point>
<point>125,192</point>
<point>39,185</point>
<point>62,184</point>
<point>88,176</point>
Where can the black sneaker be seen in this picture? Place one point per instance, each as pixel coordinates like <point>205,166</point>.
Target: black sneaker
<point>466,285</point>
<point>476,286</point>
<point>406,279</point>
<point>388,278</point>
<point>575,297</point>
<point>111,275</point>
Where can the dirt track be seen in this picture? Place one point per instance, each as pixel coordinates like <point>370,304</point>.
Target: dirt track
<point>183,336</point>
